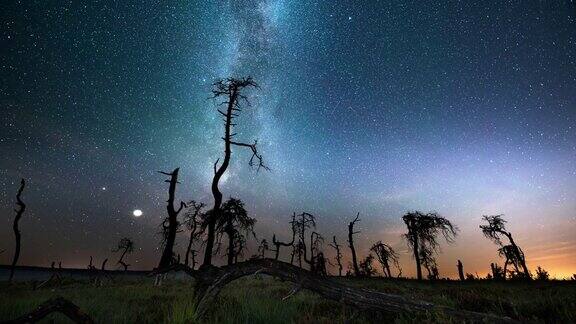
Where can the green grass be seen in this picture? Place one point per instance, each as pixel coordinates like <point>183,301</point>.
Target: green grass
<point>252,300</point>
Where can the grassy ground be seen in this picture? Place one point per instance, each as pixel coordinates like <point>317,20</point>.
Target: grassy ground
<point>259,300</point>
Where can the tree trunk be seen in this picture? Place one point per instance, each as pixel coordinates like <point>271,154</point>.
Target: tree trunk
<point>417,258</point>
<point>19,212</point>
<point>460,270</point>
<point>230,233</point>
<point>351,244</point>
<point>520,256</point>
<point>211,280</point>
<point>168,254</point>
<point>58,305</point>
<point>216,181</point>
<point>189,248</point>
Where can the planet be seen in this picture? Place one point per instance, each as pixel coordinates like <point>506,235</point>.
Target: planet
<point>137,213</point>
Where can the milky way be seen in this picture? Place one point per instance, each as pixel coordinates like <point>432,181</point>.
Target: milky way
<point>464,108</point>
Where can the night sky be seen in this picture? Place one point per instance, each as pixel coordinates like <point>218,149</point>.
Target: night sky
<point>379,107</point>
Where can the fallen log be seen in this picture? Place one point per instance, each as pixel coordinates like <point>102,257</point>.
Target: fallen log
<point>211,280</point>
<point>58,304</point>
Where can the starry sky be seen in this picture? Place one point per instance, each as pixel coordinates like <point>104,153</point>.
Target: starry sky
<point>379,107</point>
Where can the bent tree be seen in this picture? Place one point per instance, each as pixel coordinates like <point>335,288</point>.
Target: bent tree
<point>423,230</point>
<point>17,236</point>
<point>385,255</point>
<point>495,230</point>
<point>126,245</point>
<point>231,90</point>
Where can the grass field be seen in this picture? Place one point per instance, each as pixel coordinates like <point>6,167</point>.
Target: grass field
<point>259,300</point>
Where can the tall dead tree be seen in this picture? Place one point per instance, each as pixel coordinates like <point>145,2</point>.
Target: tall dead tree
<point>336,247</point>
<point>21,207</point>
<point>423,230</point>
<point>192,223</point>
<point>495,230</point>
<point>351,244</point>
<point>231,89</point>
<point>277,244</point>
<point>385,255</point>
<point>170,225</point>
<point>126,245</point>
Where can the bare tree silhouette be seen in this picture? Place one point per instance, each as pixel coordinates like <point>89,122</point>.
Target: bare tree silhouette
<point>336,247</point>
<point>495,230</point>
<point>231,89</point>
<point>351,244</point>
<point>126,245</point>
<point>170,225</point>
<point>316,241</point>
<point>385,255</point>
<point>192,221</point>
<point>21,207</point>
<point>423,230</point>
<point>277,244</point>
<point>305,221</point>
<point>233,221</point>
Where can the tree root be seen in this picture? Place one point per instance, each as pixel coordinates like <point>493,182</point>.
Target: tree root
<point>58,304</point>
<point>211,280</point>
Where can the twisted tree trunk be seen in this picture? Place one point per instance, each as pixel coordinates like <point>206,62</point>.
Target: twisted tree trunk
<point>170,232</point>
<point>59,305</point>
<point>19,212</point>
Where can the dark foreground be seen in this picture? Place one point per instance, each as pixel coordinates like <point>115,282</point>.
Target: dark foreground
<point>134,299</point>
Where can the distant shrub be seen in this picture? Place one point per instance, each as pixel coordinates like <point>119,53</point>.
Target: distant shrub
<point>542,274</point>
<point>470,277</point>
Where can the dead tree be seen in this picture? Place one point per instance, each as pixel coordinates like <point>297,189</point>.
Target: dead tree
<point>192,223</point>
<point>336,247</point>
<point>231,89</point>
<point>21,207</point>
<point>423,230</point>
<point>385,255</point>
<point>277,244</point>
<point>126,245</point>
<point>316,241</point>
<point>211,280</point>
<point>495,230</point>
<point>351,244</point>
<point>170,225</point>
<point>305,221</point>
<point>460,270</point>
